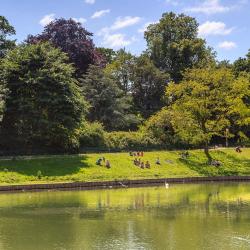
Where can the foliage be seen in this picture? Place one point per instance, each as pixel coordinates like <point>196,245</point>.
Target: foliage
<point>242,64</point>
<point>109,105</point>
<point>159,127</point>
<point>108,54</point>
<point>121,69</point>
<point>43,106</point>
<point>204,101</point>
<point>174,46</point>
<point>5,30</point>
<point>122,140</point>
<point>91,135</point>
<point>148,86</point>
<point>72,39</point>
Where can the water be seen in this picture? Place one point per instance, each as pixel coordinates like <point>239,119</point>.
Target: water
<point>194,216</point>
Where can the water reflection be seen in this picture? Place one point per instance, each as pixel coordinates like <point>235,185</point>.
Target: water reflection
<point>213,216</point>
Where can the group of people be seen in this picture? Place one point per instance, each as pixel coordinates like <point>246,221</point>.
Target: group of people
<point>141,164</point>
<point>136,154</point>
<point>104,161</point>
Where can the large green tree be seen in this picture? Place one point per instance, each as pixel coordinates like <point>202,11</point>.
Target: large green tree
<point>203,104</point>
<point>148,86</point>
<point>109,104</point>
<point>44,106</point>
<point>5,30</point>
<point>174,46</point>
<point>242,64</point>
<point>121,69</point>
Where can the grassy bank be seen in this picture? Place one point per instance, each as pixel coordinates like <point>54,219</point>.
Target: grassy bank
<point>25,170</point>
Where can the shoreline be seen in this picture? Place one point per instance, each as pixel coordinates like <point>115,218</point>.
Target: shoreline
<point>119,184</point>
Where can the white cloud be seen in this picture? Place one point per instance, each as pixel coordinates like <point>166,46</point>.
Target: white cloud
<point>144,27</point>
<point>47,19</point>
<point>227,45</point>
<point>100,13</point>
<point>213,28</point>
<point>117,40</point>
<point>210,7</point>
<point>172,2</point>
<point>80,20</point>
<point>122,22</point>
<point>90,1</point>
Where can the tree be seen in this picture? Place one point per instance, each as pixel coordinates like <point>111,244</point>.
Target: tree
<point>108,54</point>
<point>5,30</point>
<point>72,39</point>
<point>44,106</point>
<point>173,45</point>
<point>203,103</point>
<point>159,127</point>
<point>242,64</point>
<point>108,103</point>
<point>121,70</point>
<point>148,86</point>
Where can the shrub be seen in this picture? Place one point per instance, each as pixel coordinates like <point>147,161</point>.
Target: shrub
<point>128,140</point>
<point>91,135</point>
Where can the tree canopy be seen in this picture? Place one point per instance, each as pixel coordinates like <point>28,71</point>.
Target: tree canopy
<point>109,104</point>
<point>173,45</point>
<point>204,101</point>
<point>43,107</point>
<point>73,39</point>
<point>5,30</point>
<point>148,86</point>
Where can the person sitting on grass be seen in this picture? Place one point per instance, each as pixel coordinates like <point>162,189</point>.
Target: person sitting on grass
<point>131,153</point>
<point>158,161</point>
<point>147,165</point>
<point>142,154</point>
<point>142,165</point>
<point>139,162</point>
<point>99,162</point>
<point>238,150</point>
<point>107,164</point>
<point>135,162</point>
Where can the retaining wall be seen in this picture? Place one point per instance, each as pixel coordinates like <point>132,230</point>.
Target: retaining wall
<point>120,184</point>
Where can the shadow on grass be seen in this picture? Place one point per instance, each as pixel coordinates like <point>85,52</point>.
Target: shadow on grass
<point>231,165</point>
<point>52,166</point>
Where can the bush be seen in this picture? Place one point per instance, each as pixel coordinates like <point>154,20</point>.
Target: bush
<point>159,128</point>
<point>128,140</point>
<point>91,135</point>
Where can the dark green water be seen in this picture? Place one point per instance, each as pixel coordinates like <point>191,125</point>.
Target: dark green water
<point>213,216</point>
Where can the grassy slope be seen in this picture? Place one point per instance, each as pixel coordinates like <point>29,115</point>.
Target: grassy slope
<point>83,168</point>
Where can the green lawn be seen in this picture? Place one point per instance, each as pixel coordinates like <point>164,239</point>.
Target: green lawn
<point>82,167</point>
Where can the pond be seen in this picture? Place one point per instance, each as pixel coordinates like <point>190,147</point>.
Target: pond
<point>184,216</point>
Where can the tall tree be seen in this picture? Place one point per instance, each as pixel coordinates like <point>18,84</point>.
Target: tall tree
<point>203,103</point>
<point>43,107</point>
<point>121,69</point>
<point>5,30</point>
<point>72,39</point>
<point>148,86</point>
<point>174,46</point>
<point>242,64</point>
<point>109,104</point>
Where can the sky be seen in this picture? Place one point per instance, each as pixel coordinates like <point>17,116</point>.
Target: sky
<point>225,24</point>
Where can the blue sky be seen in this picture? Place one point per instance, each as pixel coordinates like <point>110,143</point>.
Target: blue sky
<point>225,24</point>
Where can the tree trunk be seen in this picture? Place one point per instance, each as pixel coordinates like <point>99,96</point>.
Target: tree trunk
<point>206,151</point>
